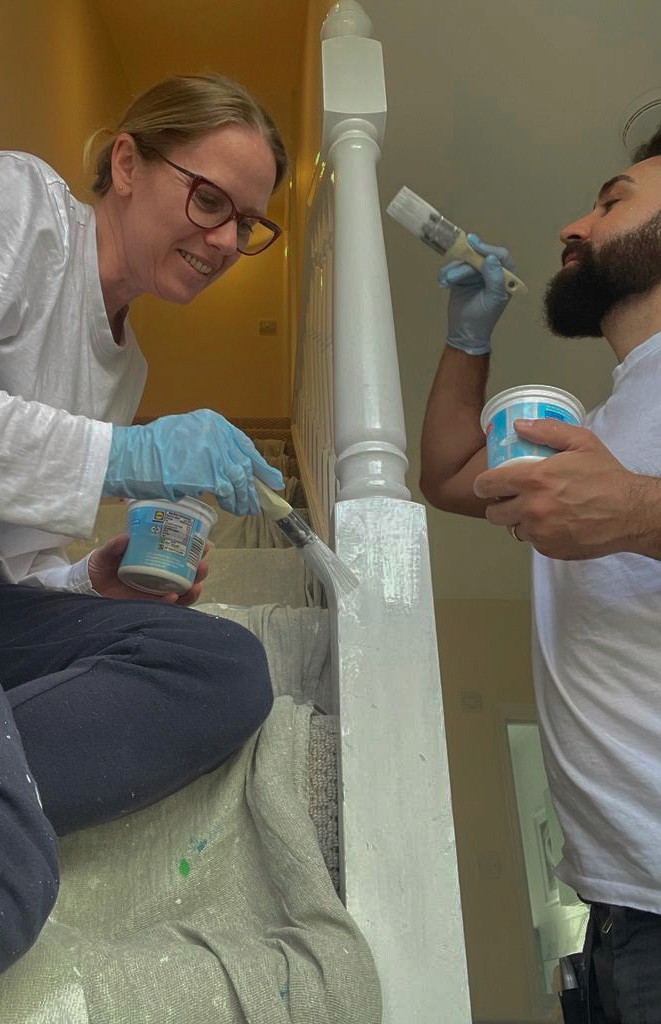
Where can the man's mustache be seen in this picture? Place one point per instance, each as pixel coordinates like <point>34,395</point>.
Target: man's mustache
<point>575,249</point>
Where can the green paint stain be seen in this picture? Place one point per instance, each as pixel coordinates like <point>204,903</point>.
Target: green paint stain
<point>184,867</point>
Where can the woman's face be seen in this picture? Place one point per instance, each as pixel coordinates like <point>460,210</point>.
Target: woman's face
<point>162,251</point>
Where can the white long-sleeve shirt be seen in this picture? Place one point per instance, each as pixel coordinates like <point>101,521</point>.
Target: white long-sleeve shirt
<point>597,667</point>
<point>63,379</point>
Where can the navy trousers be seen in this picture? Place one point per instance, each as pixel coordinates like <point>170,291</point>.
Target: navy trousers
<point>623,959</point>
<point>107,706</point>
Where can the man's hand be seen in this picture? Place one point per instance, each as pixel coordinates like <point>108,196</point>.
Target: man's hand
<point>580,503</point>
<point>104,562</point>
<point>477,297</point>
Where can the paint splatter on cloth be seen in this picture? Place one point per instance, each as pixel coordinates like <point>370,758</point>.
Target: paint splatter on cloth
<point>214,906</point>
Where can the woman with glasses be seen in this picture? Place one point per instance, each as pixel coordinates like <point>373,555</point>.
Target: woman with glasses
<point>109,705</point>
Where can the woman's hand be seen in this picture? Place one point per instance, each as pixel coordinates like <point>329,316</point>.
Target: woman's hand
<point>103,564</point>
<point>189,453</point>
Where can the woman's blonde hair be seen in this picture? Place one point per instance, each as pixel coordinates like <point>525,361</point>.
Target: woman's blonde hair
<point>181,109</point>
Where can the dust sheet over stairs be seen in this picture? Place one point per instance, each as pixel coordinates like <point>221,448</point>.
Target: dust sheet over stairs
<point>213,906</point>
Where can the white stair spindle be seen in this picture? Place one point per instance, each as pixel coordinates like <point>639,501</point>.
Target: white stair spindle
<point>370,439</point>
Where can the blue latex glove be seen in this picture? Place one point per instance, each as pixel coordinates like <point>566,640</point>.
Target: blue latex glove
<point>477,298</point>
<point>188,454</point>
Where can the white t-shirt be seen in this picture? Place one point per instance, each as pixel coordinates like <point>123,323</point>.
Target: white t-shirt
<point>63,379</point>
<point>597,667</point>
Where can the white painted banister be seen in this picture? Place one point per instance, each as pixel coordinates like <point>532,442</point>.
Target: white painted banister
<point>397,849</point>
<point>370,439</point>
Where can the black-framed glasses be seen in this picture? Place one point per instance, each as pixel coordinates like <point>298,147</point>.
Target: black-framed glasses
<point>207,206</point>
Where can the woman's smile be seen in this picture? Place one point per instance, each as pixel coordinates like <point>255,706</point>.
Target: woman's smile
<point>194,261</point>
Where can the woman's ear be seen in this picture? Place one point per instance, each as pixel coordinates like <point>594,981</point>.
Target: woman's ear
<point>123,163</point>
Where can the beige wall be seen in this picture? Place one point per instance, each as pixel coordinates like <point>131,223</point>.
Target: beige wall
<point>485,665</point>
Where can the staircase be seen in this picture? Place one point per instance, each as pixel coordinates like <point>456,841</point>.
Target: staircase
<point>256,578</point>
<point>213,904</point>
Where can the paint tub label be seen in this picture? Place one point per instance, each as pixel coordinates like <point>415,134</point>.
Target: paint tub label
<point>165,546</point>
<point>498,417</point>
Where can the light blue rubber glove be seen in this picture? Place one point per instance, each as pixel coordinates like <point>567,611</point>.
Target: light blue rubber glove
<point>188,454</point>
<point>477,298</point>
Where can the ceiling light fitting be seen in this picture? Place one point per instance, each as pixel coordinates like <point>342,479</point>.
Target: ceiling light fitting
<point>640,120</point>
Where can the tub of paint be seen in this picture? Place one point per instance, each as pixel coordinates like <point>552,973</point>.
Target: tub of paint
<point>526,402</point>
<point>166,542</point>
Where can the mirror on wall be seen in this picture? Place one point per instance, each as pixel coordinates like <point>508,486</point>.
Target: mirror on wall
<point>559,918</point>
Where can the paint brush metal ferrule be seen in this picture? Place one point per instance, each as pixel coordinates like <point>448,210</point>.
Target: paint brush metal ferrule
<point>295,529</point>
<point>330,569</point>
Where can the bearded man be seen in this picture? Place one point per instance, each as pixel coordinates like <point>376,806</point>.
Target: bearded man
<point>593,515</point>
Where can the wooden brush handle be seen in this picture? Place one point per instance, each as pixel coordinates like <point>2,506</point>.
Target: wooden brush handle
<point>272,504</point>
<point>462,250</point>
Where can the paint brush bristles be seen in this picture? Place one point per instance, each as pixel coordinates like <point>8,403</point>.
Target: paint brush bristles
<point>325,564</point>
<point>420,218</point>
<point>431,227</point>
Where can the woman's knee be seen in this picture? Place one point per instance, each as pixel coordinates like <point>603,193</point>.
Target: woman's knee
<point>29,883</point>
<point>218,673</point>
<point>239,671</point>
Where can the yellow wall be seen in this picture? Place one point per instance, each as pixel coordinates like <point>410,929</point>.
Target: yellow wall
<point>59,79</point>
<point>210,353</point>
<point>309,124</point>
<point>307,133</point>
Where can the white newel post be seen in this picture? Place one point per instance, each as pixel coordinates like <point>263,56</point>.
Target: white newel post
<point>397,847</point>
<point>370,440</point>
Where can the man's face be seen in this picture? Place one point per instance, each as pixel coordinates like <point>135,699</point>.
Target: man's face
<point>612,253</point>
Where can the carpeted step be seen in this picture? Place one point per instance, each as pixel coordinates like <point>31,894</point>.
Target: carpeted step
<point>246,532</point>
<point>296,641</point>
<point>246,576</point>
<point>323,790</point>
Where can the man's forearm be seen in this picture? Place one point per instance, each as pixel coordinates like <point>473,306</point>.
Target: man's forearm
<point>451,433</point>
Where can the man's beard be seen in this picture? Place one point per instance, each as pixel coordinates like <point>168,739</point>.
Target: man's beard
<point>579,297</point>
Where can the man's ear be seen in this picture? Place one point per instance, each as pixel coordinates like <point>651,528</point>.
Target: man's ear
<point>123,163</point>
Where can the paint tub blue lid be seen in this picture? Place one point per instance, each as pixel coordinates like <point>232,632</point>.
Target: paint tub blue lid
<point>532,393</point>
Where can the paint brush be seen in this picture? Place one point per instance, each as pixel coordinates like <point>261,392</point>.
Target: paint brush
<point>326,565</point>
<point>426,223</point>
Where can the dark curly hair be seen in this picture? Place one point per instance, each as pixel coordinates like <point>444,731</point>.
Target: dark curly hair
<point>650,148</point>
